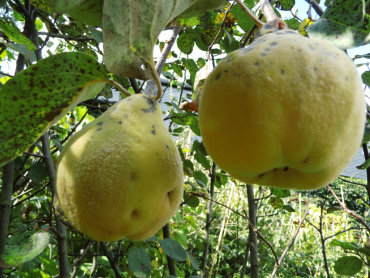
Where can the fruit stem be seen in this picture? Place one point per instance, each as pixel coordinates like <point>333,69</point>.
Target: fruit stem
<point>157,81</point>
<point>117,85</point>
<point>258,22</point>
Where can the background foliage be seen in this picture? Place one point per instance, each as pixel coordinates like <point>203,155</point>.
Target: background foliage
<point>57,83</point>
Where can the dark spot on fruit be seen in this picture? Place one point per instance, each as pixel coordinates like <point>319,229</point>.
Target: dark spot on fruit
<point>226,71</point>
<point>256,64</point>
<point>126,116</point>
<point>167,147</point>
<point>82,71</point>
<point>282,71</point>
<point>286,168</point>
<point>99,129</point>
<point>151,104</point>
<point>263,54</point>
<point>153,130</point>
<point>218,76</point>
<point>275,169</point>
<point>261,175</point>
<point>346,78</point>
<point>15,98</point>
<point>273,44</point>
<point>314,69</point>
<point>267,49</point>
<point>99,123</point>
<point>133,176</point>
<point>128,99</point>
<point>120,122</point>
<point>135,213</point>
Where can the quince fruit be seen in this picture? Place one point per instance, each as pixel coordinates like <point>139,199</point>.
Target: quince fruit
<point>121,175</point>
<point>287,111</point>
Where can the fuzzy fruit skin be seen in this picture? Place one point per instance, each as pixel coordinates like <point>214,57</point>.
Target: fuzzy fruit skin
<point>121,175</point>
<point>287,111</point>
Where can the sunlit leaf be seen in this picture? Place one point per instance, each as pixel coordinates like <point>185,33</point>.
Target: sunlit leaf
<point>15,35</point>
<point>39,96</point>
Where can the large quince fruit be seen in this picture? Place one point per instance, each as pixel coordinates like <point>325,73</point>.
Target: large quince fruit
<point>287,111</point>
<point>121,175</point>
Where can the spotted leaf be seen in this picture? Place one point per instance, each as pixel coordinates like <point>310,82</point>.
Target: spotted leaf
<point>42,94</point>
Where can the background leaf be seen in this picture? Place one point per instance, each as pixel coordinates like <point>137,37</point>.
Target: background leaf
<point>24,247</point>
<point>139,262</point>
<point>173,249</point>
<point>348,265</point>
<point>344,23</point>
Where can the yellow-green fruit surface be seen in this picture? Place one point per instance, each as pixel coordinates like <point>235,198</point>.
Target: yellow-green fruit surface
<point>287,111</point>
<point>121,175</point>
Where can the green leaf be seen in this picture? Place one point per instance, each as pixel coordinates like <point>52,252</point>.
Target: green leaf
<point>181,238</point>
<point>15,35</point>
<point>202,160</point>
<point>364,165</point>
<point>24,247</point>
<point>89,11</point>
<point>285,5</point>
<point>190,64</point>
<point>334,208</point>
<point>39,96</point>
<point>281,193</point>
<point>173,249</point>
<point>193,260</point>
<point>293,23</point>
<point>22,49</point>
<point>201,178</point>
<point>42,4</point>
<point>348,265</point>
<point>185,42</point>
<point>365,76</point>
<point>245,22</point>
<point>199,147</point>
<point>131,29</point>
<point>344,23</point>
<point>276,202</point>
<point>38,172</point>
<point>199,7</point>
<point>139,262</point>
<point>193,201</point>
<point>344,244</point>
<point>288,208</point>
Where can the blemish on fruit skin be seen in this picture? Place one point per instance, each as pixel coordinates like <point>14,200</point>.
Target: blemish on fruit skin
<point>120,122</point>
<point>218,76</point>
<point>261,175</point>
<point>167,147</point>
<point>273,44</point>
<point>99,129</point>
<point>153,130</point>
<point>100,124</point>
<point>135,213</point>
<point>151,104</point>
<point>286,168</point>
<point>256,64</point>
<point>133,176</point>
<point>282,71</point>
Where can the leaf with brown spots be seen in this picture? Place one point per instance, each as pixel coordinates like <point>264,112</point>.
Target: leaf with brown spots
<point>89,11</point>
<point>42,94</point>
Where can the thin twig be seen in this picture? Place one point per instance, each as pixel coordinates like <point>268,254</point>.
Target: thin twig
<point>219,31</point>
<point>359,218</point>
